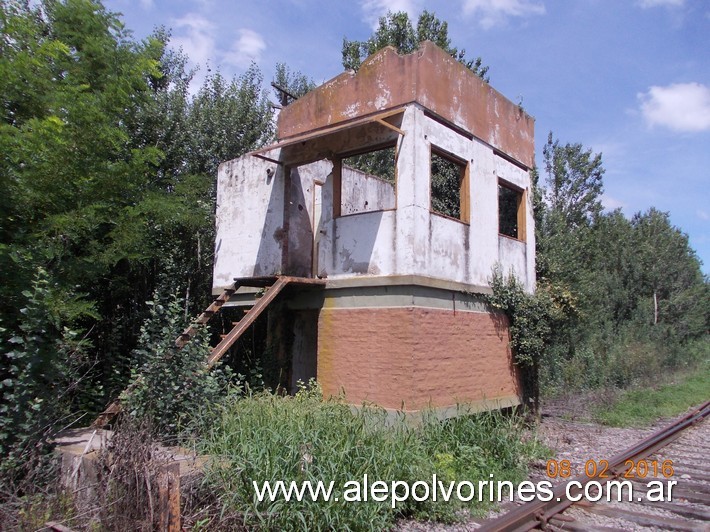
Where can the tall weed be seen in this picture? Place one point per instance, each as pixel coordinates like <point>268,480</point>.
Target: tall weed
<point>265,437</point>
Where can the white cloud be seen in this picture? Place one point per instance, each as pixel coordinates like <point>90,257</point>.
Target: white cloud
<point>610,203</point>
<point>494,12</point>
<point>703,215</point>
<point>680,106</point>
<point>245,49</point>
<point>194,36</point>
<point>147,4</point>
<point>660,3</point>
<point>374,9</point>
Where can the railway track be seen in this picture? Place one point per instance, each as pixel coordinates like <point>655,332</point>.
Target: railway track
<point>673,461</point>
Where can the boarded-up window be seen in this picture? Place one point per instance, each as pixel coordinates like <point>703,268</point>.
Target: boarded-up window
<point>449,185</point>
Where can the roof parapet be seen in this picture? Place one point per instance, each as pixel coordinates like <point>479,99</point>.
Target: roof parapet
<point>429,77</point>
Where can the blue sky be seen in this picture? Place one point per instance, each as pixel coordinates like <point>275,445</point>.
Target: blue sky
<point>627,78</point>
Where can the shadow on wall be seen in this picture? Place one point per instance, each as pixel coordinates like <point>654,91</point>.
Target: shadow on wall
<point>299,211</point>
<point>292,239</point>
<point>354,247</point>
<point>270,237</point>
<point>299,217</point>
<point>355,243</point>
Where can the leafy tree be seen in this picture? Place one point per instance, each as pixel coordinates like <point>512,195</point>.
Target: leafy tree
<point>608,270</point>
<point>171,386</point>
<point>69,170</point>
<point>227,119</point>
<point>44,363</point>
<point>107,168</point>
<point>668,264</point>
<point>639,294</point>
<point>566,206</point>
<point>574,182</point>
<point>290,85</point>
<point>395,29</point>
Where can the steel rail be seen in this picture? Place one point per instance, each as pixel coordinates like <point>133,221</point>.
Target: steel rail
<point>537,513</point>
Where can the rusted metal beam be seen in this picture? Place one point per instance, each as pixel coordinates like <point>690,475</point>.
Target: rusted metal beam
<point>253,313</point>
<point>390,126</point>
<point>377,118</point>
<point>285,94</point>
<point>207,315</point>
<point>264,157</point>
<point>111,411</point>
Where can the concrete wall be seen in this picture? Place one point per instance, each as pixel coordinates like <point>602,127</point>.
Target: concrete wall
<point>249,220</point>
<point>362,192</point>
<point>413,240</point>
<point>254,238</point>
<point>304,184</point>
<point>514,255</point>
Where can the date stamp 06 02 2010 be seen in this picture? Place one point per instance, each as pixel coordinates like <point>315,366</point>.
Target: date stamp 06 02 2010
<point>600,469</point>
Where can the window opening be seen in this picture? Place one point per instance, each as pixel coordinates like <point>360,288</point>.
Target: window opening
<point>368,181</point>
<point>378,163</point>
<point>449,186</point>
<point>511,213</point>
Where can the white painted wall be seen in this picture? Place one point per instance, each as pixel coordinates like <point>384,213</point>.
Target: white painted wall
<point>515,256</point>
<point>249,220</point>
<point>362,192</point>
<point>408,240</point>
<point>300,207</point>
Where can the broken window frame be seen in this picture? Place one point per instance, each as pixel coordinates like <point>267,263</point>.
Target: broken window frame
<point>464,184</point>
<point>338,177</point>
<point>520,212</point>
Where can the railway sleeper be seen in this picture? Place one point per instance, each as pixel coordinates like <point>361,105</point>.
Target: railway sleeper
<point>643,519</point>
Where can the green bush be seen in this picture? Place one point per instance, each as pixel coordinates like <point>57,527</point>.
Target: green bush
<point>43,374</point>
<point>633,355</point>
<point>266,437</point>
<point>171,387</point>
<point>533,320</point>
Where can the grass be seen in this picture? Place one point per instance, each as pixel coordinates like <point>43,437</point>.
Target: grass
<point>269,437</point>
<point>644,406</point>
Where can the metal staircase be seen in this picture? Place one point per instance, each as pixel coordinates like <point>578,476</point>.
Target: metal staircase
<point>273,286</point>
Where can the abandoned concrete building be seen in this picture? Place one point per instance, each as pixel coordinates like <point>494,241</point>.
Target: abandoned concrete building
<point>375,222</point>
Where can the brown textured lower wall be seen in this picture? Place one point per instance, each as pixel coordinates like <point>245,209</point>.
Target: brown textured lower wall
<point>412,357</point>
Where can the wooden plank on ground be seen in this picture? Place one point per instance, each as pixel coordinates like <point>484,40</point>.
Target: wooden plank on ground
<point>57,527</point>
<point>169,497</point>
